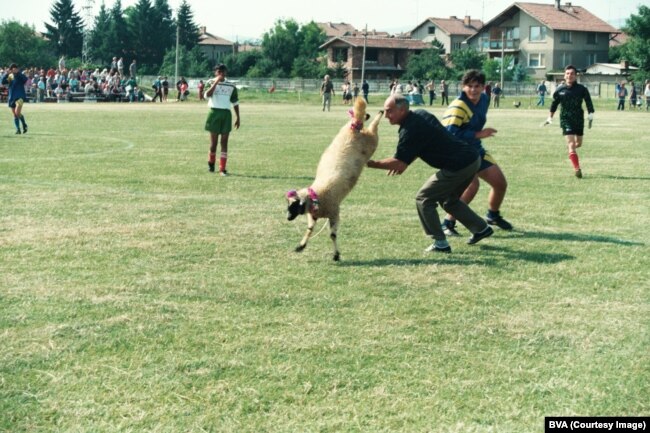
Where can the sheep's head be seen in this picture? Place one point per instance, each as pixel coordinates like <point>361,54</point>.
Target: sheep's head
<point>296,206</point>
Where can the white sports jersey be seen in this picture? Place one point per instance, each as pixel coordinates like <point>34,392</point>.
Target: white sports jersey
<point>224,94</point>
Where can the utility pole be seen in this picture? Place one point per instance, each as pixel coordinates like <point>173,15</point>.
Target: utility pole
<point>363,61</point>
<point>88,18</point>
<point>178,31</point>
<point>503,36</point>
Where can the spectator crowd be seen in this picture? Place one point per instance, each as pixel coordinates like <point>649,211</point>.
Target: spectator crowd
<point>61,83</point>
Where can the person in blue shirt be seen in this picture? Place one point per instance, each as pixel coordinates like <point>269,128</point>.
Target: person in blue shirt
<point>465,118</point>
<point>541,91</point>
<point>15,80</point>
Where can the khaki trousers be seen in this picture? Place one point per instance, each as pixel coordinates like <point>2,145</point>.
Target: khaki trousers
<point>444,188</point>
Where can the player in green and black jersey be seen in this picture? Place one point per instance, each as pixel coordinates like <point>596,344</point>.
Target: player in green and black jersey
<point>571,95</point>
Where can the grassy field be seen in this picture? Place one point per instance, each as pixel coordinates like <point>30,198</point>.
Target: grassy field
<point>140,293</point>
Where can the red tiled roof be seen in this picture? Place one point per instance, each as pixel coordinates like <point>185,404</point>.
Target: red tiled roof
<point>411,44</point>
<point>336,29</point>
<point>456,26</point>
<point>210,39</point>
<point>568,17</point>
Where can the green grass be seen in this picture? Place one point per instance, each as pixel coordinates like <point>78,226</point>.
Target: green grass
<point>139,293</point>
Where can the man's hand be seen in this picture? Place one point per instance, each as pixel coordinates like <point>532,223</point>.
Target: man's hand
<point>590,117</point>
<point>548,121</point>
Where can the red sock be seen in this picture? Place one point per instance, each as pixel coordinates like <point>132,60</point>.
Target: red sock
<point>574,160</point>
<point>222,161</point>
<point>212,157</point>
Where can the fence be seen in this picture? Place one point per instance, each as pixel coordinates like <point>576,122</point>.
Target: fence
<point>603,90</point>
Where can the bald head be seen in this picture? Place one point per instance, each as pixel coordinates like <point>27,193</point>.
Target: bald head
<point>396,108</point>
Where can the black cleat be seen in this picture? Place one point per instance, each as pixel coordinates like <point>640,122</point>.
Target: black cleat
<point>449,228</point>
<point>18,132</point>
<point>499,222</point>
<point>486,232</point>
<point>211,167</point>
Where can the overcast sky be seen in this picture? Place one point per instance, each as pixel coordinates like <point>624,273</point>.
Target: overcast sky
<point>239,20</point>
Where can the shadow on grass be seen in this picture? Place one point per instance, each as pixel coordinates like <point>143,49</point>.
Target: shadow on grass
<point>615,177</point>
<point>497,256</point>
<point>574,238</point>
<point>262,176</point>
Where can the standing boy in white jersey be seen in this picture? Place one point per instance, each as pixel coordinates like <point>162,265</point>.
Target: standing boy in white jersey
<point>221,95</point>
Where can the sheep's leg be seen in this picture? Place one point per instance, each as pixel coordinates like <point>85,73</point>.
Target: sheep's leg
<point>334,224</point>
<point>375,122</point>
<point>311,223</point>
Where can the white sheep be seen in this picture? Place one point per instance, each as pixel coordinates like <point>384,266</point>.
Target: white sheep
<point>338,171</point>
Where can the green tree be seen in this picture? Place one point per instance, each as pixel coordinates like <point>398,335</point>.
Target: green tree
<point>100,48</point>
<point>19,44</point>
<point>66,34</point>
<point>141,34</point>
<point>239,64</point>
<point>637,48</point>
<point>305,67</point>
<point>466,59</point>
<point>163,29</point>
<point>118,35</point>
<point>188,31</point>
<point>519,73</point>
<point>492,69</point>
<point>439,46</point>
<point>191,63</point>
<point>281,45</point>
<point>310,38</point>
<point>428,65</point>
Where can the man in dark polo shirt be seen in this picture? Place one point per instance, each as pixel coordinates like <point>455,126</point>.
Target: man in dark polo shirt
<point>422,136</point>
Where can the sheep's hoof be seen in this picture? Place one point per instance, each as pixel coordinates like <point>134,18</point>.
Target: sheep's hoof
<point>337,256</point>
<point>299,248</point>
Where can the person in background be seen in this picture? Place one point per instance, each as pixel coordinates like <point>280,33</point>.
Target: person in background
<point>133,69</point>
<point>157,88</point>
<point>165,88</point>
<point>365,89</point>
<point>327,91</point>
<point>632,96</point>
<point>431,88</point>
<point>444,93</point>
<point>541,92</point>
<point>488,91</point>
<point>570,95</point>
<point>201,89</point>
<point>496,95</point>
<point>15,80</point>
<point>221,95</point>
<point>621,92</point>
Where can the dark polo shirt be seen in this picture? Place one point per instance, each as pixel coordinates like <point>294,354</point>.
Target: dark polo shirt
<point>421,135</point>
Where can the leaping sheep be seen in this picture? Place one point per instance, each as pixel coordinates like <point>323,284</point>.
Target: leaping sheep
<point>338,171</point>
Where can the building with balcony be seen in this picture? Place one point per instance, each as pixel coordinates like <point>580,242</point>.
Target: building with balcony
<point>450,32</point>
<point>545,37</point>
<point>385,57</point>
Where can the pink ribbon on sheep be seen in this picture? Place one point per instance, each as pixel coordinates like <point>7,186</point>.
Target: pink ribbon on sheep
<point>314,200</point>
<point>312,195</point>
<point>356,125</point>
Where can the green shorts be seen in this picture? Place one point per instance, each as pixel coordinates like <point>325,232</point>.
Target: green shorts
<point>219,121</point>
<point>18,103</point>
